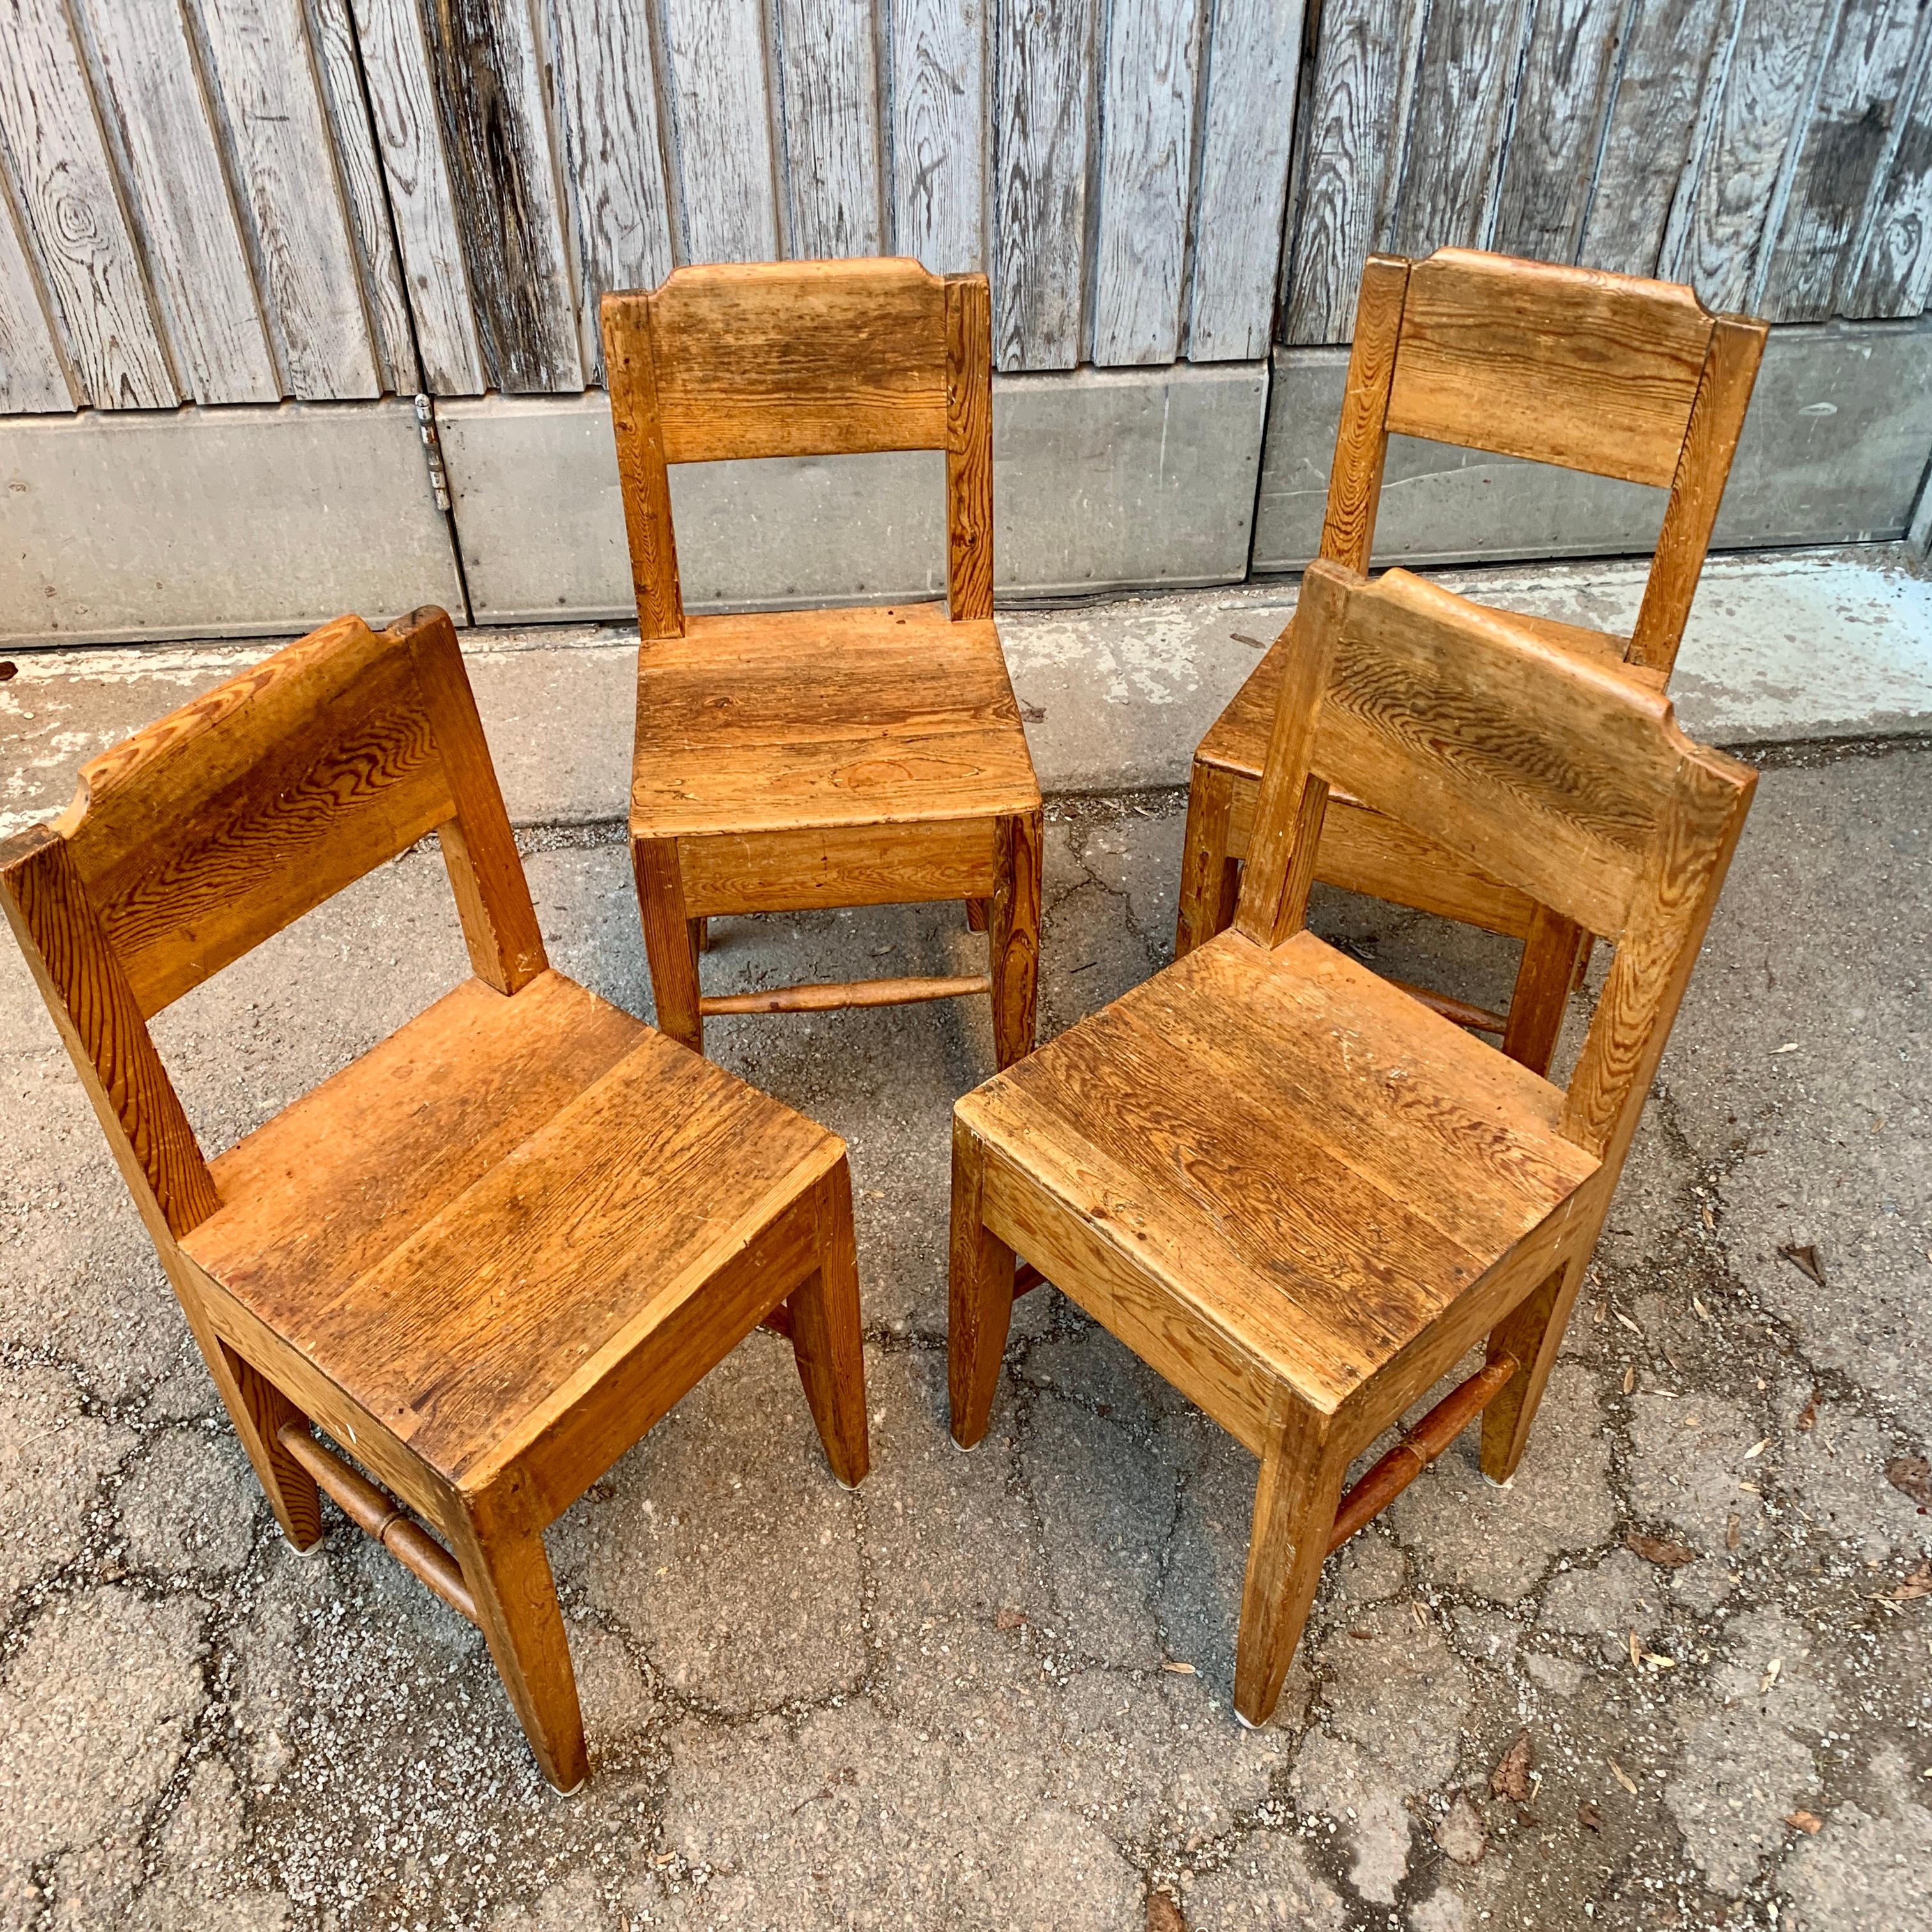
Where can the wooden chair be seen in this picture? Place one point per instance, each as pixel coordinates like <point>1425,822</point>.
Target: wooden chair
<point>1604,373</point>
<point>490,1254</point>
<point>1296,1192</point>
<point>812,758</point>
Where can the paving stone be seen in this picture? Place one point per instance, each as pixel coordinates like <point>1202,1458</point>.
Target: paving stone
<point>1689,1466</point>
<point>1866,1867</point>
<point>1335,1779</point>
<point>1622,1594</point>
<point>1265,1886</point>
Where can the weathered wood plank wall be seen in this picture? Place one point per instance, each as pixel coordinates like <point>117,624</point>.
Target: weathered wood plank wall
<point>234,201</point>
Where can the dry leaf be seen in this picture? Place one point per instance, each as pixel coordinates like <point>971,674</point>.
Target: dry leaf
<point>1789,1046</point>
<point>1703,1313</point>
<point>1010,1619</point>
<point>1363,1635</point>
<point>1511,1778</point>
<point>1804,1821</point>
<point>1163,1914</point>
<point>1805,1261</point>
<point>1589,1817</point>
<point>1635,1651</point>
<point>1757,1448</point>
<point>1770,1677</point>
<point>1660,1550</point>
<point>1807,1420</point>
<point>1629,1379</point>
<point>1626,1322</point>
<point>1658,1661</point>
<point>1621,1776</point>
<point>1911,1474</point>
<point>1179,1669</point>
<point>1918,1584</point>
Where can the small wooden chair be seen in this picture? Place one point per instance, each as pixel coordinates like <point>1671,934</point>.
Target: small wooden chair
<point>490,1254</point>
<point>789,760</point>
<point>1299,1193</point>
<point>1604,373</point>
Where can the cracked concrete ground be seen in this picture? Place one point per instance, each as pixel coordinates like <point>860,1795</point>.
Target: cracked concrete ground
<point>992,1690</point>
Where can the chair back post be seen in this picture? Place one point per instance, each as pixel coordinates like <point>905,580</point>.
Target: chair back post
<point>969,448</point>
<point>1361,441</point>
<point>644,478</point>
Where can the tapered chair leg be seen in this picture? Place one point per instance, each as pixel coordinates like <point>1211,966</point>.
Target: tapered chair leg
<point>826,1337</point>
<point>1013,935</point>
<point>975,915</point>
<point>1210,880</point>
<point>509,1574</point>
<point>1295,1500</point>
<point>670,940</point>
<point>979,1298</point>
<point>1531,1332</point>
<point>1541,996</point>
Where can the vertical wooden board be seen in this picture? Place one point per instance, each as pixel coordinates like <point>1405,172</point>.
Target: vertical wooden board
<point>496,139</point>
<point>938,111</point>
<point>722,124</point>
<point>1765,86</point>
<point>1146,171</point>
<point>1653,121</point>
<point>395,62</point>
<point>829,98</point>
<point>75,228</point>
<point>1039,175</point>
<point>197,258</point>
<point>606,83</point>
<point>32,376</point>
<point>1894,274</point>
<point>265,83</point>
<point>1568,65</point>
<point>1247,135</point>
<point>333,35</point>
<point>1461,106</point>
<point>1351,154</point>
<point>1842,164</point>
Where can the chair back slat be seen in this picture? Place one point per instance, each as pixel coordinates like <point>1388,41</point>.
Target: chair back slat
<point>1591,371</point>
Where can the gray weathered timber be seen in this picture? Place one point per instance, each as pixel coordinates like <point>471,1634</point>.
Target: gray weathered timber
<point>265,90</point>
<point>64,184</point>
<point>1894,271</point>
<point>1040,188</point>
<point>1463,86</point>
<point>1247,135</point>
<point>217,522</point>
<point>489,96</point>
<point>172,169</point>
<point>1569,64</point>
<point>1146,171</point>
<point>715,50</point>
<point>829,95</point>
<point>339,68</point>
<point>396,60</point>
<point>1663,62</point>
<point>1833,450</point>
<point>1766,83</point>
<point>939,132</point>
<point>1842,161</point>
<point>605,79</point>
<point>32,376</point>
<point>1351,152</point>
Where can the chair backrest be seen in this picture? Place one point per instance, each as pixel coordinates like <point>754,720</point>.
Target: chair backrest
<point>1609,374</point>
<point>1552,773</point>
<point>801,358</point>
<point>207,833</point>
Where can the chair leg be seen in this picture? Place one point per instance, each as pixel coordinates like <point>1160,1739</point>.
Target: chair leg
<point>1295,1500</point>
<point>700,931</point>
<point>1543,982</point>
<point>979,1298</point>
<point>1532,1332</point>
<point>1013,935</point>
<point>826,1338</point>
<point>975,915</point>
<point>1210,880</point>
<point>509,1574</point>
<point>670,940</point>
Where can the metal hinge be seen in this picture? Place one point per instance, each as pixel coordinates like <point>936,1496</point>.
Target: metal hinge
<point>439,477</point>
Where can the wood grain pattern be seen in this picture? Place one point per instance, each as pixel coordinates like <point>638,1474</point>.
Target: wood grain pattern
<point>630,370</point>
<point>1146,172</point>
<point>1894,274</point>
<point>202,281</point>
<point>827,75</point>
<point>33,372</point>
<point>490,107</point>
<point>395,59</point>
<point>72,215</point>
<point>1040,187</point>
<point>263,81</point>
<point>715,56</point>
<point>339,68</point>
<point>969,449</point>
<point>815,868</point>
<point>1361,437</point>
<point>1247,136</point>
<point>605,78</point>
<point>940,136</point>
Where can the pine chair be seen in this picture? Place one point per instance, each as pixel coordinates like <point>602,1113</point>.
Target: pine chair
<point>490,1254</point>
<point>1295,1191</point>
<point>1604,373</point>
<point>788,760</point>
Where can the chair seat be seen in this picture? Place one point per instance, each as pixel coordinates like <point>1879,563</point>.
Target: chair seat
<point>464,1227</point>
<point>1299,1155</point>
<point>777,720</point>
<point>1238,740</point>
